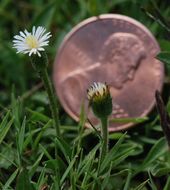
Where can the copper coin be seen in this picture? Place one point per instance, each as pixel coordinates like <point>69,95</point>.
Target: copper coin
<point>114,49</point>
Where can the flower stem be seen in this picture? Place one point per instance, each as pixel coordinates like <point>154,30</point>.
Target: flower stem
<point>104,133</point>
<point>53,102</point>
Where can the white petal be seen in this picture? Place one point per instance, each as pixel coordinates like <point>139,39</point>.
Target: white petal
<point>17,37</point>
<point>22,34</point>
<point>33,31</point>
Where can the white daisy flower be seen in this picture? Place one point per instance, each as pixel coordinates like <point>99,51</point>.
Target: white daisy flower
<point>31,42</point>
<point>97,89</point>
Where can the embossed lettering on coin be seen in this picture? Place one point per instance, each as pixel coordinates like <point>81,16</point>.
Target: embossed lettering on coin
<point>114,49</point>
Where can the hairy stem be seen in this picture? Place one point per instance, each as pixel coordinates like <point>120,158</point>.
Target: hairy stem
<point>53,102</point>
<point>104,133</point>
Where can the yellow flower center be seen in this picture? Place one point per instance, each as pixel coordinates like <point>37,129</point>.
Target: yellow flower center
<point>31,41</point>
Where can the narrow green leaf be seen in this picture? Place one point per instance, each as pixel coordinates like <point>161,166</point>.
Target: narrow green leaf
<point>122,156</point>
<point>7,156</point>
<point>107,177</point>
<point>15,110</point>
<point>5,120</point>
<point>37,139</point>
<point>64,147</point>
<point>127,120</point>
<point>127,184</point>
<point>21,136</point>
<point>167,185</point>
<point>44,150</point>
<point>160,169</point>
<point>151,182</point>
<point>37,116</point>
<point>53,164</point>
<point>81,126</point>
<point>164,56</point>
<point>36,164</point>
<point>156,151</point>
<point>41,180</point>
<point>142,185</point>
<point>4,128</point>
<point>10,180</point>
<point>88,161</point>
<point>112,153</point>
<point>157,16</point>
<point>70,166</point>
<point>45,16</point>
<point>23,180</point>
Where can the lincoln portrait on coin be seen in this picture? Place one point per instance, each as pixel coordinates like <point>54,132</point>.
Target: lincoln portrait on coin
<point>121,54</point>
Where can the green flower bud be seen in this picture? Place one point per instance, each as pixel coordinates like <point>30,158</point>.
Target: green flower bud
<point>100,99</point>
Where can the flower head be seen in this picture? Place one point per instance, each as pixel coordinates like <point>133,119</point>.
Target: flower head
<point>97,90</point>
<point>31,42</point>
<point>100,99</point>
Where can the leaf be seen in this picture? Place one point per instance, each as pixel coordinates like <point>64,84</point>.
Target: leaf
<point>111,154</point>
<point>44,150</point>
<point>151,182</point>
<point>4,127</point>
<point>160,170</point>
<point>37,116</point>
<point>123,155</point>
<point>10,180</point>
<point>140,186</point>
<point>35,165</point>
<point>21,136</point>
<point>7,156</point>
<point>56,164</point>
<point>45,16</point>
<point>107,177</point>
<point>156,151</point>
<point>156,15</point>
<point>127,120</point>
<point>23,180</point>
<point>165,45</point>
<point>41,180</point>
<point>164,56</point>
<point>70,166</point>
<point>167,185</point>
<point>40,134</point>
<point>64,147</point>
<point>127,184</point>
<point>88,160</point>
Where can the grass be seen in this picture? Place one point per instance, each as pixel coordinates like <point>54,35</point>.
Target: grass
<point>137,160</point>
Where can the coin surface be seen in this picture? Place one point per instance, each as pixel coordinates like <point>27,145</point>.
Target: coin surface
<point>114,49</point>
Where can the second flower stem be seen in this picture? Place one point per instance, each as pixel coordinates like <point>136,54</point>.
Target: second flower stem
<point>104,132</point>
<point>53,103</point>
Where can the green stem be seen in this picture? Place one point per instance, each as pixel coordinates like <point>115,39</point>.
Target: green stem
<point>53,102</point>
<point>104,133</point>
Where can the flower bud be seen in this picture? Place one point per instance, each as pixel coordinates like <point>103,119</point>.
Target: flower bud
<point>100,99</point>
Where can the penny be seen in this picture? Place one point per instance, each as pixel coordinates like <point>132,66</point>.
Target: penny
<point>114,49</point>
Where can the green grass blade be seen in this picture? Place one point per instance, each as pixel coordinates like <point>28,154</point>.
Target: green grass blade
<point>64,147</point>
<point>4,127</point>
<point>21,136</point>
<point>36,164</point>
<point>23,180</point>
<point>10,180</point>
<point>128,120</point>
<point>156,151</point>
<point>112,153</point>
<point>167,185</point>
<point>70,166</point>
<point>142,185</point>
